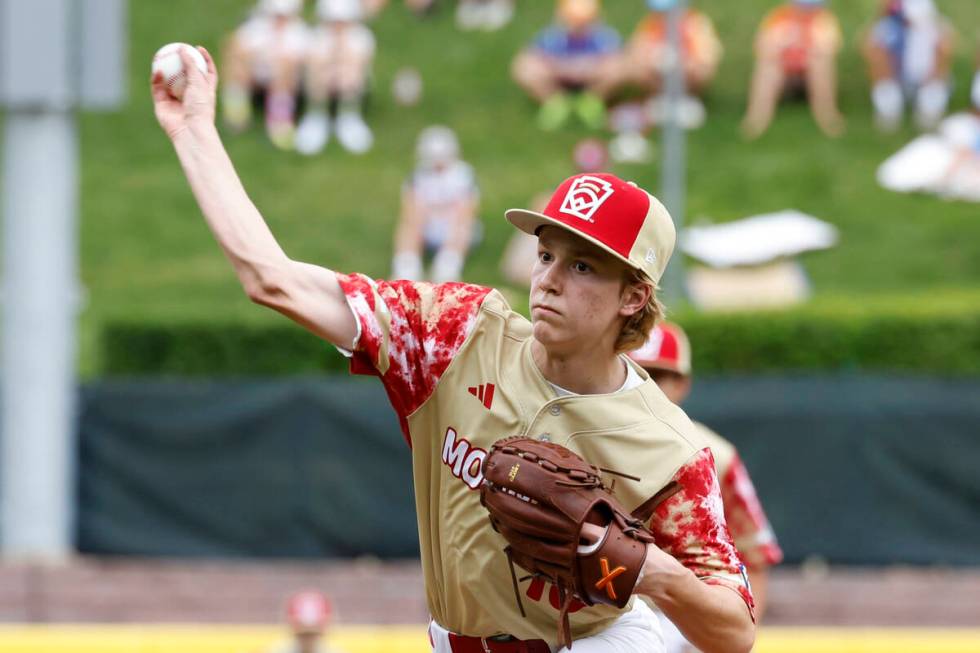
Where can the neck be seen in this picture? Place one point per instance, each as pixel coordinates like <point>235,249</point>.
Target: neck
<point>586,372</point>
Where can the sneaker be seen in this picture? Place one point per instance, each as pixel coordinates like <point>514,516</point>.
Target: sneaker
<point>691,112</point>
<point>496,14</point>
<point>631,147</point>
<point>236,109</point>
<point>591,110</point>
<point>469,15</point>
<point>282,133</point>
<point>313,133</point>
<point>554,112</point>
<point>280,123</point>
<point>353,133</point>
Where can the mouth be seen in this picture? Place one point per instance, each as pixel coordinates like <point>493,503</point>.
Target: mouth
<point>544,309</point>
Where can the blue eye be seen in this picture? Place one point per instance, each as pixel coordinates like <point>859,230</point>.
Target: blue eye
<point>582,267</point>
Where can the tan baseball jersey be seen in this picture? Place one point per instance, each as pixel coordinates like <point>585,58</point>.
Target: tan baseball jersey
<point>456,363</point>
<point>747,521</point>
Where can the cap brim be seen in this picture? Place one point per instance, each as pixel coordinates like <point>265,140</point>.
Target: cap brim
<point>530,221</point>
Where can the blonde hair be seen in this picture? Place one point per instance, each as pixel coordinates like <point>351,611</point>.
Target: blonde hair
<point>637,327</point>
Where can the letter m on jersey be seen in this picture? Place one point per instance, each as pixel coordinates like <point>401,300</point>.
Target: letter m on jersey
<point>463,459</point>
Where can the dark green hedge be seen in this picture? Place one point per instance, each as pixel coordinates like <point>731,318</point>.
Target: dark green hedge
<point>945,343</point>
<point>214,350</point>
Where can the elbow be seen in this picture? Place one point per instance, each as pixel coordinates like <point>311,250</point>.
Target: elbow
<point>269,288</point>
<point>743,641</point>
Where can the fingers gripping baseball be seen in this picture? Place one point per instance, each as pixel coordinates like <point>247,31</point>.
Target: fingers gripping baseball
<point>183,93</point>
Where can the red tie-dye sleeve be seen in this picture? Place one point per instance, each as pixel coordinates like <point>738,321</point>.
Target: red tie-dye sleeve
<point>746,519</point>
<point>408,333</point>
<point>690,525</point>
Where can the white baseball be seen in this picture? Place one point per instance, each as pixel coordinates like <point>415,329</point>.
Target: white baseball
<point>167,61</point>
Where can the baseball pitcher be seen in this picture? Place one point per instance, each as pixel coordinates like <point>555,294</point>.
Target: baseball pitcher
<point>463,370</point>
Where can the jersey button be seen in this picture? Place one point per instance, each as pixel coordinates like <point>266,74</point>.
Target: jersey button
<point>545,437</point>
<point>555,410</point>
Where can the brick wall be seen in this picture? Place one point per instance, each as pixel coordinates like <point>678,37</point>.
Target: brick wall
<point>370,592</point>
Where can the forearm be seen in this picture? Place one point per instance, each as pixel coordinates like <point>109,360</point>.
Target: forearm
<point>235,222</point>
<point>713,618</point>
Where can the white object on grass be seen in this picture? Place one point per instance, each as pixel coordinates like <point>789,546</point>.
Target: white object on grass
<point>168,62</point>
<point>758,239</point>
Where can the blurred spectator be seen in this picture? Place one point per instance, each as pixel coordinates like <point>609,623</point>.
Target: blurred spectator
<point>263,62</point>
<point>647,58</point>
<point>308,614</point>
<point>420,7</point>
<point>571,65</point>
<point>909,51</point>
<point>796,50</point>
<point>487,15</point>
<point>439,210</point>
<point>946,163</point>
<point>373,7</point>
<point>666,356</point>
<point>339,60</point>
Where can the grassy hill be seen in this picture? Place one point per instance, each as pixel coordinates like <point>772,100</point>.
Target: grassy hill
<point>146,253</point>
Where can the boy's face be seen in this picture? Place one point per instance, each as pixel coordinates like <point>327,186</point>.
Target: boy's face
<point>577,293</point>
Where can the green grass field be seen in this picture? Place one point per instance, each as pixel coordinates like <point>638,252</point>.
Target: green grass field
<point>146,253</point>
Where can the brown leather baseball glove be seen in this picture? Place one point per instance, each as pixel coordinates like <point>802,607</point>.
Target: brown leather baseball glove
<point>539,494</point>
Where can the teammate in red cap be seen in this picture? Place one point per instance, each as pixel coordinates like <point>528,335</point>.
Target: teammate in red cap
<point>308,614</point>
<point>463,370</point>
<point>666,356</point>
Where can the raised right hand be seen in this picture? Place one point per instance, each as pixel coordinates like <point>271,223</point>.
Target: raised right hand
<point>198,103</point>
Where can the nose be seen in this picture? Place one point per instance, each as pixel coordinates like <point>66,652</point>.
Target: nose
<point>550,279</point>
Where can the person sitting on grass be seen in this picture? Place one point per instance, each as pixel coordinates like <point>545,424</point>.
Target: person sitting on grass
<point>439,207</point>
<point>909,51</point>
<point>645,63</point>
<point>337,69</point>
<point>796,53</point>
<point>571,66</point>
<point>263,61</point>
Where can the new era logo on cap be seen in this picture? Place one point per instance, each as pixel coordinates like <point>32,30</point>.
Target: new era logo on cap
<point>585,196</point>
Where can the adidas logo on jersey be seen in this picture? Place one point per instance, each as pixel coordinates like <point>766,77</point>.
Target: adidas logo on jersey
<point>483,392</point>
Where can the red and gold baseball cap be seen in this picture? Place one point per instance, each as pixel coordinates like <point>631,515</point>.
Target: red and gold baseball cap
<point>667,348</point>
<point>308,611</point>
<point>616,215</point>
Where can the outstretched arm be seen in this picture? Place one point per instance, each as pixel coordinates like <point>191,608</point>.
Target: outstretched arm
<point>308,294</point>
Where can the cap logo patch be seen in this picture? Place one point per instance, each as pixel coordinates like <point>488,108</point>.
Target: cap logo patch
<point>651,256</point>
<point>585,196</point>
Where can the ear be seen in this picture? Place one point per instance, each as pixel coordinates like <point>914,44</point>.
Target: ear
<point>635,296</point>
